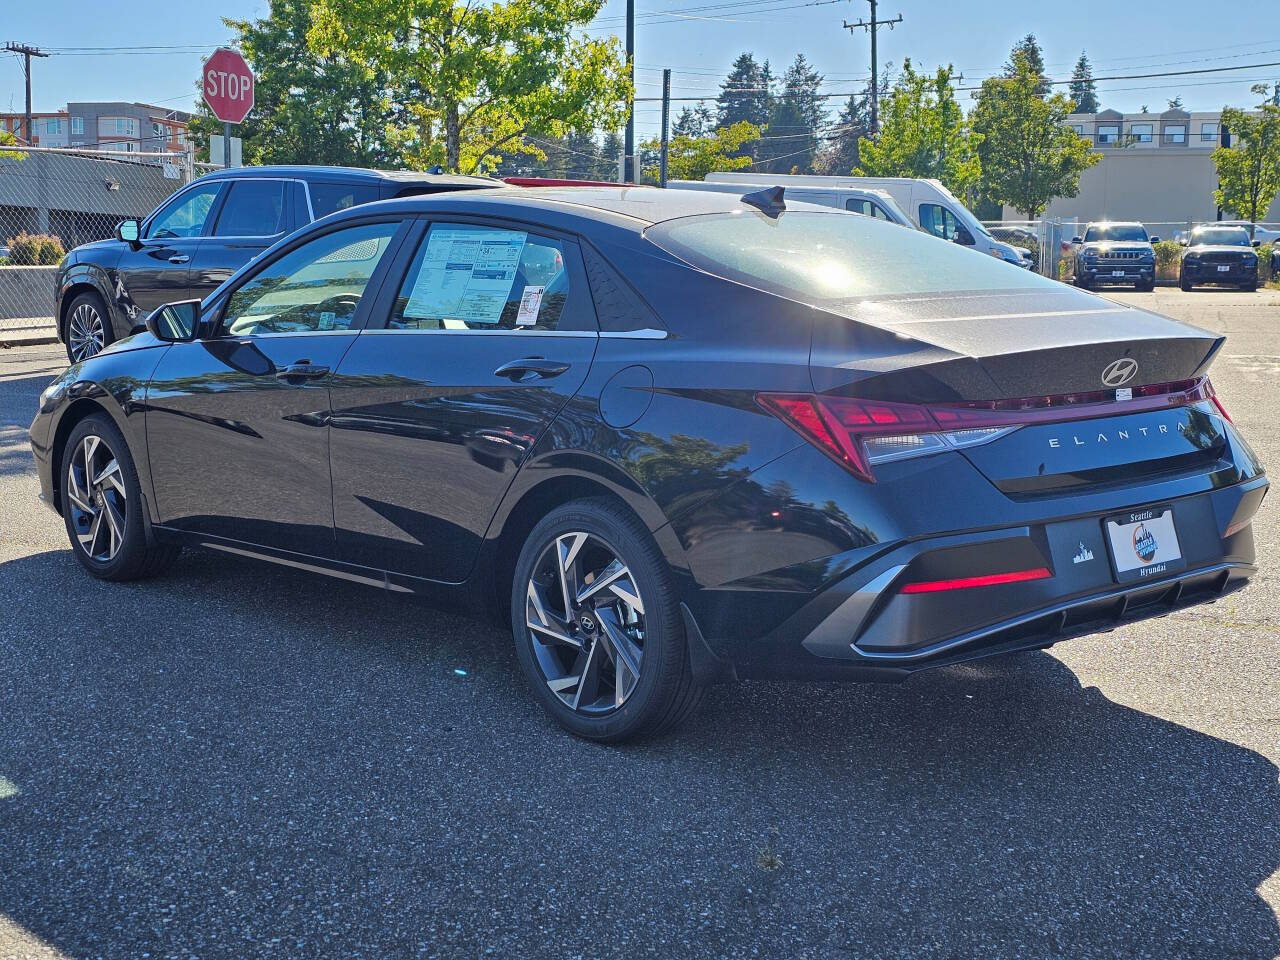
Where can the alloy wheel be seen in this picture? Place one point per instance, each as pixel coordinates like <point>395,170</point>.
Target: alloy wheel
<point>86,333</point>
<point>96,498</point>
<point>586,623</point>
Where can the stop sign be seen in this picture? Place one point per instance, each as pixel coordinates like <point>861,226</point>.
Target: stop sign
<point>228,85</point>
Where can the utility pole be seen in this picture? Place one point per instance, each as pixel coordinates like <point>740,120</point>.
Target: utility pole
<point>871,26</point>
<point>27,52</point>
<point>666,118</point>
<point>629,144</point>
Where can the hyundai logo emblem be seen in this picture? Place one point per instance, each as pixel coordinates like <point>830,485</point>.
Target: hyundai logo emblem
<point>1119,372</point>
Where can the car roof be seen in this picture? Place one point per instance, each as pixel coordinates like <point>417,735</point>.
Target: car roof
<point>640,205</point>
<point>319,172</point>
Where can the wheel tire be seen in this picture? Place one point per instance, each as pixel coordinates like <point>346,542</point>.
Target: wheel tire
<point>665,692</point>
<point>133,557</point>
<point>87,320</point>
<point>1250,287</point>
<point>1185,285</point>
<point>1082,283</point>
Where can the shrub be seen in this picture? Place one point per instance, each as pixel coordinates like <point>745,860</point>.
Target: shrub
<point>51,251</point>
<point>35,250</point>
<point>1168,259</point>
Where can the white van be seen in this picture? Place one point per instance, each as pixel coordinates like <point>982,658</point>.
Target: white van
<point>929,205</point>
<point>869,203</point>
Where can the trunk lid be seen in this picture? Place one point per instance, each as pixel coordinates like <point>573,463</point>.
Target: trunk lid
<point>1001,345</point>
<point>1066,350</point>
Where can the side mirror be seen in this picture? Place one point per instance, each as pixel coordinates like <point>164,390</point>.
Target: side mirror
<point>1256,243</point>
<point>1077,239</point>
<point>175,322</point>
<point>128,231</point>
<point>964,237</point>
<point>1155,240</point>
<point>1184,242</point>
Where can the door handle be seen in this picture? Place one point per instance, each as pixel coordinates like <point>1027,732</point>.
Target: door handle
<point>531,368</point>
<point>302,370</point>
<point>179,258</point>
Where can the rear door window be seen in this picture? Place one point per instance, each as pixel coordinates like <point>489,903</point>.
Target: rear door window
<point>254,208</point>
<point>467,277</point>
<point>867,208</point>
<point>328,197</point>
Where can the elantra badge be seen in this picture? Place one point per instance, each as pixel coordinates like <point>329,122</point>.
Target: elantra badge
<point>1119,372</point>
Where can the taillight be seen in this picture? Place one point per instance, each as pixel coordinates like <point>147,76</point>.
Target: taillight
<point>859,433</point>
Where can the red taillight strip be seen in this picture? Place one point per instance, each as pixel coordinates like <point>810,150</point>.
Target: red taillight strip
<point>965,583</point>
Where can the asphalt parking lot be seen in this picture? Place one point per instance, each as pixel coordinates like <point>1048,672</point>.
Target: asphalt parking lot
<point>238,760</point>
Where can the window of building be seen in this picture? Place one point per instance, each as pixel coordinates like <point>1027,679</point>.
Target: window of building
<point>1108,133</point>
<point>77,126</point>
<point>1140,132</point>
<point>1208,132</point>
<point>53,126</point>
<point>1176,133</point>
<point>4,124</point>
<point>124,127</point>
<point>1078,128</point>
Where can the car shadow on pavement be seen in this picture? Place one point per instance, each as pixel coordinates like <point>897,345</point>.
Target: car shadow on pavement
<point>238,760</point>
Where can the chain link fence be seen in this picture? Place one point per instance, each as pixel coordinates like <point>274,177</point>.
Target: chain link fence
<point>52,200</point>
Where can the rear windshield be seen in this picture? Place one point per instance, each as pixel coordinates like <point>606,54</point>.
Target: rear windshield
<point>1222,236</point>
<point>817,257</point>
<point>1116,232</point>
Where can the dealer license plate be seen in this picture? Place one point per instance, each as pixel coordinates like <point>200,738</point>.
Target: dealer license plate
<point>1144,543</point>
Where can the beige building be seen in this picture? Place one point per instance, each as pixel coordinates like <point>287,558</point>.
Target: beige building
<point>1156,168</point>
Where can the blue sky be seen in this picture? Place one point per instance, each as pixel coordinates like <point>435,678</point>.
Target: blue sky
<point>1135,37</point>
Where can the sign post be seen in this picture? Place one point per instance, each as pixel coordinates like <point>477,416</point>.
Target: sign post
<point>227,82</point>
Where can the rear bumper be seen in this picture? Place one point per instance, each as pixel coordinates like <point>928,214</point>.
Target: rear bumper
<point>864,627</point>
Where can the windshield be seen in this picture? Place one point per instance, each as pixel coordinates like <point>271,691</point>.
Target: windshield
<point>816,257</point>
<point>1116,232</point>
<point>1221,237</point>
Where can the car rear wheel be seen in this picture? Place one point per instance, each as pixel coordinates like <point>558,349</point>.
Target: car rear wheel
<point>1249,287</point>
<point>1185,284</point>
<point>102,505</point>
<point>597,624</point>
<point>88,328</point>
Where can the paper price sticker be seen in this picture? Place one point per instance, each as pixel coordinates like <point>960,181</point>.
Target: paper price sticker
<point>530,304</point>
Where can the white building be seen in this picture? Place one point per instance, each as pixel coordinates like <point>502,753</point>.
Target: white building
<point>1155,167</point>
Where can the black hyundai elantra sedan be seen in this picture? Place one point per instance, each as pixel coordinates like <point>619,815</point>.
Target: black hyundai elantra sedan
<point>670,437</point>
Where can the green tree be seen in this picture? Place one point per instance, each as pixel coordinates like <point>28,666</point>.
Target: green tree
<point>922,133</point>
<point>1084,92</point>
<point>1176,103</point>
<point>611,156</point>
<point>1249,170</point>
<point>694,122</point>
<point>1029,48</point>
<point>745,94</point>
<point>308,108</point>
<point>480,80</point>
<point>854,122</point>
<point>796,116</point>
<point>1028,153</point>
<point>692,158</point>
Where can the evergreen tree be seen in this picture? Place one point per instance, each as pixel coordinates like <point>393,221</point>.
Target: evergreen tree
<point>744,95</point>
<point>841,153</point>
<point>796,118</point>
<point>1029,47</point>
<point>1084,92</point>
<point>1176,103</point>
<point>610,157</point>
<point>694,122</point>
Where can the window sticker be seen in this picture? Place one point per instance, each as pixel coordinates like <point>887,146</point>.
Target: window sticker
<point>530,304</point>
<point>466,275</point>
